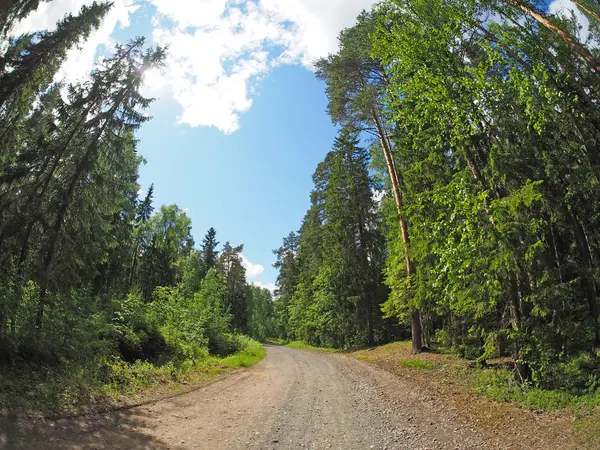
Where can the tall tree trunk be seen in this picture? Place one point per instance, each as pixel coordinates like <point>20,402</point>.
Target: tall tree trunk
<point>570,40</point>
<point>417,342</point>
<point>587,10</point>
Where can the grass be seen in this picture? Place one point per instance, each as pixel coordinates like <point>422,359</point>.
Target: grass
<point>249,356</point>
<point>82,387</point>
<point>416,363</point>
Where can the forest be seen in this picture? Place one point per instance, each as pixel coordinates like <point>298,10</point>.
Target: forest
<point>93,277</point>
<point>458,206</point>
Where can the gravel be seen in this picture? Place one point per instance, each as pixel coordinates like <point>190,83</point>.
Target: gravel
<point>293,399</point>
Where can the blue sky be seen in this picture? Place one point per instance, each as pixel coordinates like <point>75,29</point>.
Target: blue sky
<point>252,185</point>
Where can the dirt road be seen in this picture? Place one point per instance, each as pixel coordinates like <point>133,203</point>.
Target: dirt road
<point>292,399</point>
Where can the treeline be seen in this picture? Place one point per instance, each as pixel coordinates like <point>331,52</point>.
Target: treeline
<point>330,273</point>
<point>485,122</point>
<point>88,270</point>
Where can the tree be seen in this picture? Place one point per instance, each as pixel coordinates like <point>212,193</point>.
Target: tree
<point>330,275</point>
<point>12,11</point>
<point>168,242</point>
<point>209,252</point>
<point>260,313</point>
<point>356,82</point>
<point>144,212</point>
<point>288,269</point>
<point>33,61</point>
<point>231,269</point>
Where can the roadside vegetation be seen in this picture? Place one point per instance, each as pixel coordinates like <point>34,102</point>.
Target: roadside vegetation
<point>101,294</point>
<point>458,205</point>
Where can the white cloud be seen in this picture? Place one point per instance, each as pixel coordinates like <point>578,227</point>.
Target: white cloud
<point>219,49</point>
<point>318,24</point>
<point>252,270</point>
<point>566,8</point>
<point>81,59</point>
<point>270,286</point>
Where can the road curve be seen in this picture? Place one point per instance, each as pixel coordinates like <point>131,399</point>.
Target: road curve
<point>292,399</point>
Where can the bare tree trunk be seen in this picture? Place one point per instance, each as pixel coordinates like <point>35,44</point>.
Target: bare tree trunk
<point>587,10</point>
<point>570,40</point>
<point>417,342</point>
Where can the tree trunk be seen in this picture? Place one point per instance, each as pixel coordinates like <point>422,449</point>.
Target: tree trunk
<point>587,10</point>
<point>417,343</point>
<point>570,40</point>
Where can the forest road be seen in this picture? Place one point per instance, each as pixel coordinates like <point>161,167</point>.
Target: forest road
<point>292,399</point>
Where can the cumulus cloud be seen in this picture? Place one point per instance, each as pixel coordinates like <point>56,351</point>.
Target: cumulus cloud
<point>252,270</point>
<point>220,49</point>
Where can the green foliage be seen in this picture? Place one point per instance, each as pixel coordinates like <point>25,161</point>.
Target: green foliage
<point>98,291</point>
<point>491,170</point>
<point>261,323</point>
<point>251,352</point>
<point>330,272</point>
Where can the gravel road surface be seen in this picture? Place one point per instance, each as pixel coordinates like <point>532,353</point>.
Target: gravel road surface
<point>293,399</point>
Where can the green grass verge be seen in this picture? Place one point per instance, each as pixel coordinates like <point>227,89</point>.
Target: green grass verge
<point>500,385</point>
<point>79,387</point>
<point>249,356</point>
<point>416,363</point>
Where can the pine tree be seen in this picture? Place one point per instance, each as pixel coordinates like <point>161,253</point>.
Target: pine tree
<point>210,255</point>
<point>34,60</point>
<point>11,11</point>
<point>68,194</point>
<point>231,269</point>
<point>356,83</point>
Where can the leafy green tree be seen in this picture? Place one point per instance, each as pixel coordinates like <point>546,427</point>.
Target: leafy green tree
<point>261,324</point>
<point>143,214</point>
<point>330,277</point>
<point>27,69</point>
<point>168,242</point>
<point>288,269</point>
<point>356,84</point>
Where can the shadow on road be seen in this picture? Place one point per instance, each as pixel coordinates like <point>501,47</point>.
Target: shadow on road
<point>120,430</point>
